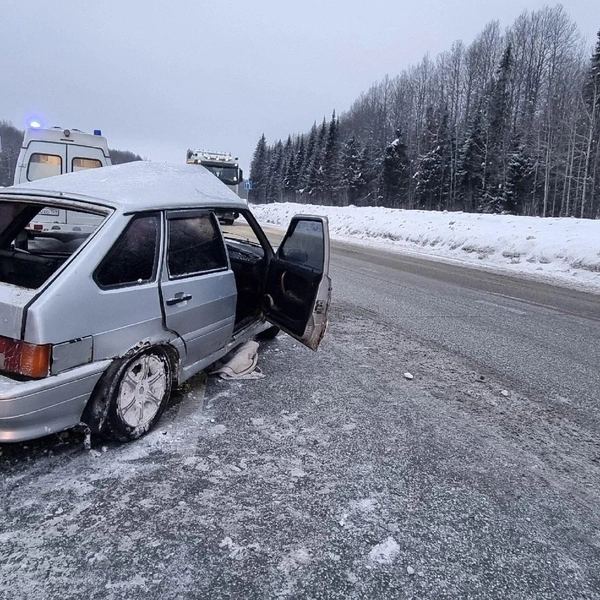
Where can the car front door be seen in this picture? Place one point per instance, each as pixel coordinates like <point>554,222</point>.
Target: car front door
<point>197,286</point>
<point>298,287</point>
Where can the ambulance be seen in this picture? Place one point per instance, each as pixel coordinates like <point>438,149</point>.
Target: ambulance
<point>47,152</point>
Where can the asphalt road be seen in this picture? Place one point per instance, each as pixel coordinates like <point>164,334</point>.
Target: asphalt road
<point>541,339</point>
<point>335,476</point>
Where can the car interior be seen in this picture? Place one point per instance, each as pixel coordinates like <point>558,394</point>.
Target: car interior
<point>249,266</point>
<point>25,260</point>
<point>285,287</point>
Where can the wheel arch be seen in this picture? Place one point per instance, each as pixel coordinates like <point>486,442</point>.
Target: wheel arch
<point>96,409</point>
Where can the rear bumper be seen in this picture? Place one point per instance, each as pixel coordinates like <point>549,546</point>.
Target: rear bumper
<point>33,409</point>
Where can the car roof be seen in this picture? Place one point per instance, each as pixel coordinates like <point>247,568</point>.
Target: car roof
<point>135,186</point>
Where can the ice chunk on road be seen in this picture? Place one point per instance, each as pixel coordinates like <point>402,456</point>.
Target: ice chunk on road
<point>385,552</point>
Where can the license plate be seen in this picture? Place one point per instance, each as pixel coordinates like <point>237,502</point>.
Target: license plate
<point>52,212</point>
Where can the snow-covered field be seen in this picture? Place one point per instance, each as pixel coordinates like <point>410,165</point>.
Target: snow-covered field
<point>565,250</point>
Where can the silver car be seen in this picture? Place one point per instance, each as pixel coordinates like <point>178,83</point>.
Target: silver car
<point>98,330</point>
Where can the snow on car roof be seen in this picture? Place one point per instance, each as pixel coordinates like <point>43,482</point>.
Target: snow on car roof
<point>140,185</point>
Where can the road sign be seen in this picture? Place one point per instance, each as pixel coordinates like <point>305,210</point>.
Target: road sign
<point>248,184</point>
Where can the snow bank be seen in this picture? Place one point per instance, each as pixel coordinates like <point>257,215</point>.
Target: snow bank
<point>567,250</point>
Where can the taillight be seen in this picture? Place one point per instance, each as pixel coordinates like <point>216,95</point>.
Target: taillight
<point>26,359</point>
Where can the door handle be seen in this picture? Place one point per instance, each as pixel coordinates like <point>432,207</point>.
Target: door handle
<point>179,297</point>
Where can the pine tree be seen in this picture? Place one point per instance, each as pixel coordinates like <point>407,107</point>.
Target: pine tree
<point>276,174</point>
<point>434,166</point>
<point>259,172</point>
<point>591,95</point>
<point>352,181</point>
<point>519,179</point>
<point>498,122</point>
<point>471,160</point>
<point>290,180</point>
<point>331,166</point>
<point>289,171</point>
<point>299,163</point>
<point>309,156</point>
<point>427,178</point>
<point>371,169</point>
<point>316,174</point>
<point>395,176</point>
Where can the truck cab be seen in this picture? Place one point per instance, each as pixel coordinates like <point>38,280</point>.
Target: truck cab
<point>225,168</point>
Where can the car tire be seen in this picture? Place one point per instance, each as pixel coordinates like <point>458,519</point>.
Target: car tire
<point>137,395</point>
<point>268,334</point>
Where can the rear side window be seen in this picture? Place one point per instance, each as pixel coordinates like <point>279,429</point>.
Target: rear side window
<point>81,164</point>
<point>195,246</point>
<point>133,258</point>
<point>43,165</point>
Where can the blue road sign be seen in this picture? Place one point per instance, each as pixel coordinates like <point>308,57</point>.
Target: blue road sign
<point>248,184</point>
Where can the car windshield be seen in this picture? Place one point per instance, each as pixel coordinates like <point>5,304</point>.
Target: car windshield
<point>30,252</point>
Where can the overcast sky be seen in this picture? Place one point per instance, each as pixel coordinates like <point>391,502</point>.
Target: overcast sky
<point>161,76</point>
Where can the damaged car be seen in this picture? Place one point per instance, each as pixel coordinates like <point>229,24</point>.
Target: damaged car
<point>97,330</point>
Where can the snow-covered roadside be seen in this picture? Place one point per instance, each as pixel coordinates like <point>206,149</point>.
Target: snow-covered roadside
<point>565,250</point>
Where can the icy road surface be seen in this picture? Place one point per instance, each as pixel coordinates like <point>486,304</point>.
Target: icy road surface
<point>338,476</point>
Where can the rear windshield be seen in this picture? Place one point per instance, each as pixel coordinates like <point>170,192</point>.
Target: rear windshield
<point>35,240</point>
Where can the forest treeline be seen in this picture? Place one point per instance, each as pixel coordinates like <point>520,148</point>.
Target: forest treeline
<point>510,123</point>
<point>11,140</point>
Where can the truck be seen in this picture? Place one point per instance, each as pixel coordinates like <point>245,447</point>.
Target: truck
<point>225,167</point>
<point>46,152</point>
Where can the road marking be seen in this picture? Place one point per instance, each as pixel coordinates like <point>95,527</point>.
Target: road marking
<point>533,303</point>
<point>507,308</point>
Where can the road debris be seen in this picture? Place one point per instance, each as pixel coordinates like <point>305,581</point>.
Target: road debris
<point>385,552</point>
